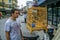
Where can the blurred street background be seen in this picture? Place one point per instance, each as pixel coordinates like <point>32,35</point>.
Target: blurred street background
<point>26,9</point>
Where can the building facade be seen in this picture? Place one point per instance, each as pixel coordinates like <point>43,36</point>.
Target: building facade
<point>29,4</point>
<point>7,5</point>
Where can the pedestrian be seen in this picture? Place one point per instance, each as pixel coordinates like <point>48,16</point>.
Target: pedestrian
<point>25,16</point>
<point>0,15</point>
<point>12,28</point>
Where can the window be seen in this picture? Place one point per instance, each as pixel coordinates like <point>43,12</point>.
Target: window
<point>55,16</point>
<point>10,1</point>
<point>50,15</point>
<point>58,14</point>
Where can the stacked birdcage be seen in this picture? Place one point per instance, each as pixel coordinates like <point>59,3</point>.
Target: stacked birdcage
<point>37,18</point>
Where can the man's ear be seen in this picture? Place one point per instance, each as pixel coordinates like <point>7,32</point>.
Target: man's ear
<point>11,14</point>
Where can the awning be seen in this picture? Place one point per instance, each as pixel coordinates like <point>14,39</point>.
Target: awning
<point>40,1</point>
<point>46,2</point>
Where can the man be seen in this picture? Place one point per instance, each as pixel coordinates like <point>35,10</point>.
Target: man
<point>12,28</point>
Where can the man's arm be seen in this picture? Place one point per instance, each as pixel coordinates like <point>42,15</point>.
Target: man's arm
<point>7,35</point>
<point>7,30</point>
<point>21,34</point>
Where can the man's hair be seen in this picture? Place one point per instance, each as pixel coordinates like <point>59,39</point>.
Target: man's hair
<point>13,10</point>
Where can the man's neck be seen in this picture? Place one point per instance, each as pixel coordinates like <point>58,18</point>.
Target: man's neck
<point>14,19</point>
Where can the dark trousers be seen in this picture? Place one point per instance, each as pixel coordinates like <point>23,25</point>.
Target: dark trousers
<point>25,20</point>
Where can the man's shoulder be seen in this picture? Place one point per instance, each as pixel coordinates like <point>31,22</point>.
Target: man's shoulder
<point>8,21</point>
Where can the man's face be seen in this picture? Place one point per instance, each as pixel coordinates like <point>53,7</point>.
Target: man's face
<point>16,14</point>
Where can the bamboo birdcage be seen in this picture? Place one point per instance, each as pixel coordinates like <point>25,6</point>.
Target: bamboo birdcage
<point>38,16</point>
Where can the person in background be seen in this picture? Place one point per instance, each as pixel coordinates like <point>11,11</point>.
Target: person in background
<point>21,13</point>
<point>25,16</point>
<point>12,28</point>
<point>20,18</point>
<point>0,15</point>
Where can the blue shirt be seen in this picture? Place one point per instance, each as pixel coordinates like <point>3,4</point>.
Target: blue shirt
<point>14,28</point>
